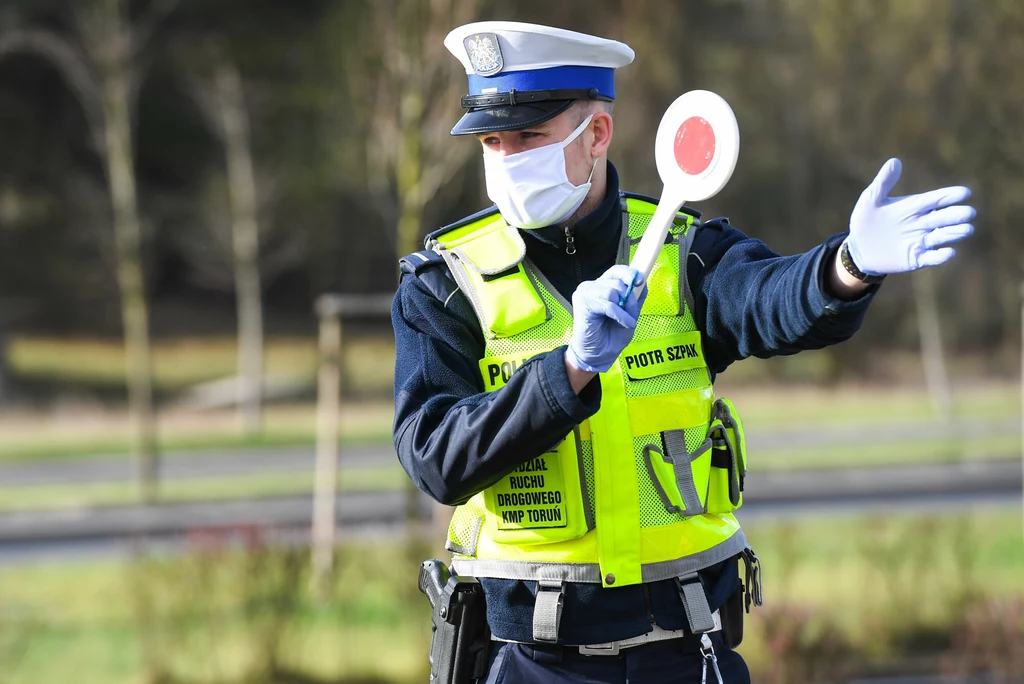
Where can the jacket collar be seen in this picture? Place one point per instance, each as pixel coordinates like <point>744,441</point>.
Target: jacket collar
<point>598,231</point>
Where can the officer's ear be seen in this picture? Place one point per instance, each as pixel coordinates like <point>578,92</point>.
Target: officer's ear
<point>602,128</point>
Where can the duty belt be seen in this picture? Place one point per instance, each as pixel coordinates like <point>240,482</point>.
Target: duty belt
<point>657,634</point>
<point>547,610</point>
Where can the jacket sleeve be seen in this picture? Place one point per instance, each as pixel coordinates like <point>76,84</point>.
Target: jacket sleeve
<point>452,438</point>
<point>754,302</point>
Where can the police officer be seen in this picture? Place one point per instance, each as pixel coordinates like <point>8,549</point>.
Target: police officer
<point>594,472</point>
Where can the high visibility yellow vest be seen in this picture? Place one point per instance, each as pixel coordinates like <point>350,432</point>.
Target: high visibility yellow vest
<point>642,491</point>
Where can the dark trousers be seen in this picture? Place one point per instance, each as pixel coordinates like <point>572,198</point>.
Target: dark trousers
<point>677,661</point>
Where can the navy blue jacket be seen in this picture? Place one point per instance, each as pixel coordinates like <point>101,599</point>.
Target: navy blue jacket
<point>455,440</point>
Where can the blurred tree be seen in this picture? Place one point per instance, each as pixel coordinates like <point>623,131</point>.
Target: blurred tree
<point>890,97</point>
<point>990,98</point>
<point>222,101</point>
<point>404,92</point>
<point>103,65</point>
<point>407,91</point>
<point>350,105</point>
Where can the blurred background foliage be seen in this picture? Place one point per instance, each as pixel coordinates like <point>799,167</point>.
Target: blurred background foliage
<point>850,599</point>
<point>350,103</point>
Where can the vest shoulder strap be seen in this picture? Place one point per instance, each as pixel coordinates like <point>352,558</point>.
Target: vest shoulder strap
<point>668,286</point>
<point>653,202</point>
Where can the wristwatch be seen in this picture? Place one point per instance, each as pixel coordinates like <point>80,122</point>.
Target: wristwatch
<point>851,268</point>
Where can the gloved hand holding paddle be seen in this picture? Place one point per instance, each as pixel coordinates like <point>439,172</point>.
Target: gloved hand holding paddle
<point>602,327</point>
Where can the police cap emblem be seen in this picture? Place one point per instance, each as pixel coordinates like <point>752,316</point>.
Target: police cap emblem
<point>484,53</point>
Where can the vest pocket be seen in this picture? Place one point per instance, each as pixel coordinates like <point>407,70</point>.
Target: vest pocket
<point>689,472</point>
<point>543,501</point>
<point>710,478</point>
<point>728,459</point>
<point>664,483</point>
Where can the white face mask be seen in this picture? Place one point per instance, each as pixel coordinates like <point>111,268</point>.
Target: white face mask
<point>531,188</point>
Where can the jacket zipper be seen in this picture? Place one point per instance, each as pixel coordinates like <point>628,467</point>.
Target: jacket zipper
<point>648,605</point>
<point>570,249</point>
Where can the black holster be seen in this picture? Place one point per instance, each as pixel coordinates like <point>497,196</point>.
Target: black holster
<point>750,592</point>
<point>732,618</point>
<point>460,638</point>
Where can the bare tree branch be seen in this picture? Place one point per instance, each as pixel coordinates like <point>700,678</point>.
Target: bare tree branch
<point>98,30</point>
<point>203,92</point>
<point>454,157</point>
<point>156,14</point>
<point>69,62</point>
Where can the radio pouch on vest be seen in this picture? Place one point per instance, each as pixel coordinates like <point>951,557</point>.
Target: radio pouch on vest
<point>728,459</point>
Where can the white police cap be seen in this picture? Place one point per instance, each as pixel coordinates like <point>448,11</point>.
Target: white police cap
<point>524,74</point>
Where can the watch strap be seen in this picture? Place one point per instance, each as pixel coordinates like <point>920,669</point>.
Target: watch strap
<point>847,260</point>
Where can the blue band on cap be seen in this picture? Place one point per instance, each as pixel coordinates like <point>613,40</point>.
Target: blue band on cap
<point>554,78</point>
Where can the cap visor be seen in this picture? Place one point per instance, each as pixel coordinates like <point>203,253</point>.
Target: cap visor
<point>509,118</point>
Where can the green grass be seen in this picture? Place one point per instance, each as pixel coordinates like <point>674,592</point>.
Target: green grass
<point>392,477</point>
<point>34,437</point>
<point>40,497</point>
<point>883,583</point>
<point>212,616</point>
<point>783,406</point>
<point>51,446</point>
<point>26,437</point>
<point>216,611</point>
<point>39,437</point>
<point>1005,447</point>
<point>835,559</point>
<point>368,364</point>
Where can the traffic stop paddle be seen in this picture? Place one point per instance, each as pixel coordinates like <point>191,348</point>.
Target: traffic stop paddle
<point>696,149</point>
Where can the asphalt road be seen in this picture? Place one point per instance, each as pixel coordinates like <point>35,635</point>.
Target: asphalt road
<point>935,488</point>
<point>229,462</point>
<point>931,488</point>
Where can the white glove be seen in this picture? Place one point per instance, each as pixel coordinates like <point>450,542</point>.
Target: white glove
<point>901,234</point>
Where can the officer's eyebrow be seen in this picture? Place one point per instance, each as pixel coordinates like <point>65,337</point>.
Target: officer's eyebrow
<point>540,129</point>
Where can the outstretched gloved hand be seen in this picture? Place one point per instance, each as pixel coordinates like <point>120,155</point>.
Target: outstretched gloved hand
<point>601,328</point>
<point>901,234</point>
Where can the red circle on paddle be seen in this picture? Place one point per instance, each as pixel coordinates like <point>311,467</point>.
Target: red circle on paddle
<point>695,145</point>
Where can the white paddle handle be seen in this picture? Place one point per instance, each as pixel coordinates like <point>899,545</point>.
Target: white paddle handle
<point>654,237</point>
